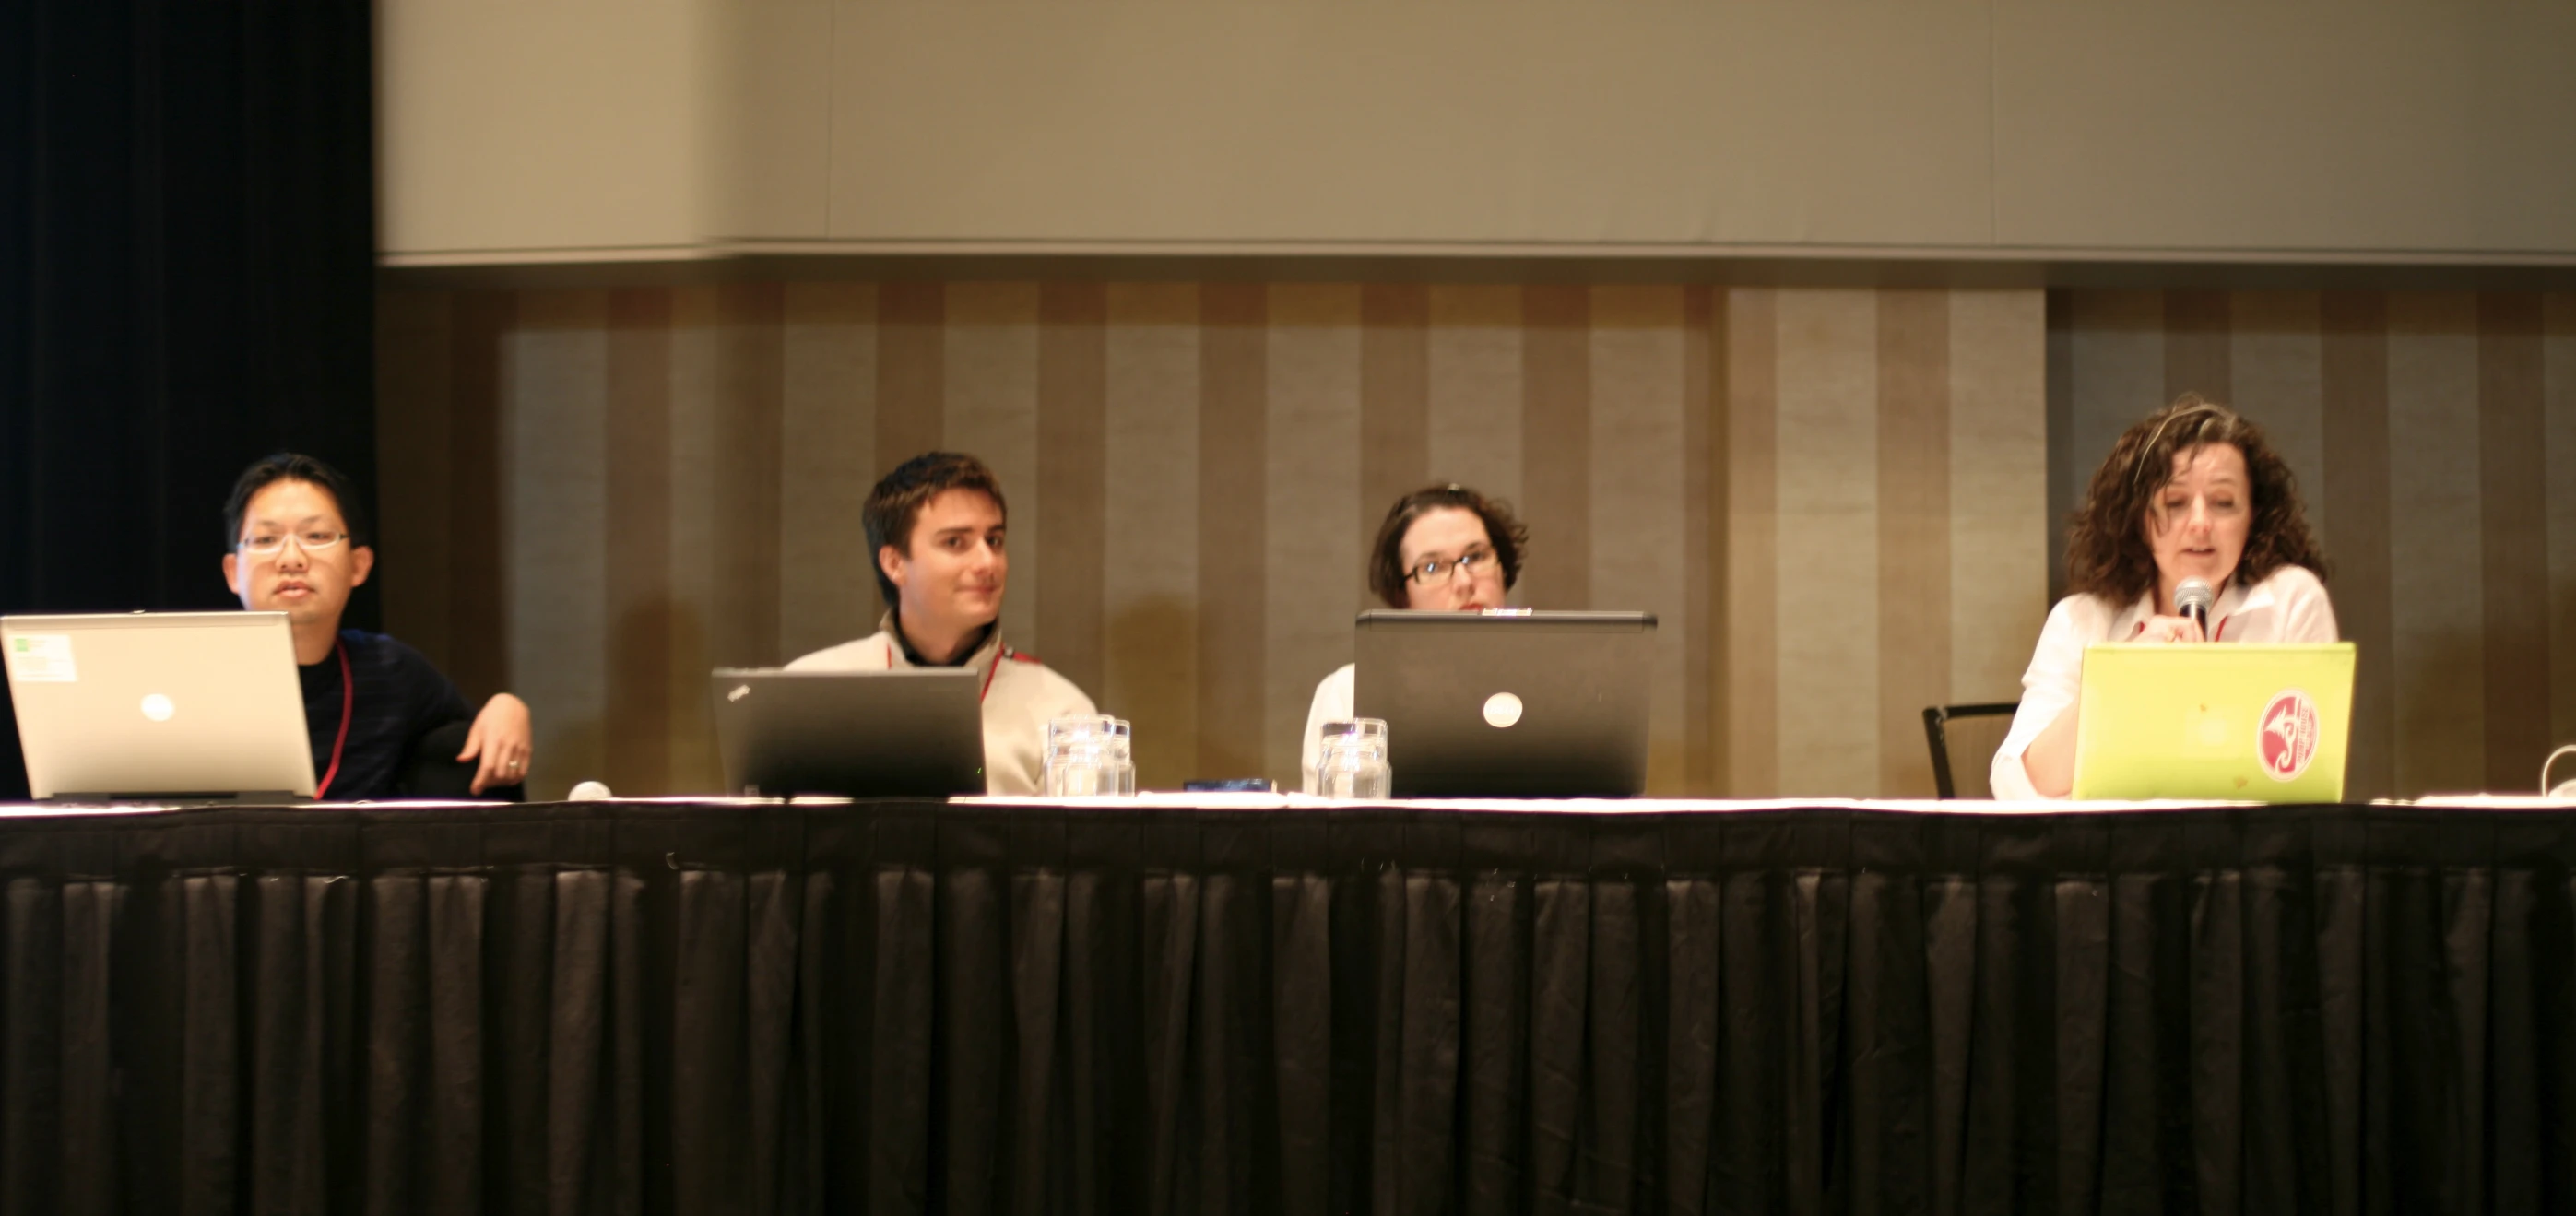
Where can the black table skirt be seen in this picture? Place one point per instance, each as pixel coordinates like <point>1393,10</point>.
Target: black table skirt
<point>900,1007</point>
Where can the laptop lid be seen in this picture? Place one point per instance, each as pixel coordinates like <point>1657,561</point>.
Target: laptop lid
<point>2251,722</point>
<point>159,705</point>
<point>910,732</point>
<point>1508,705</point>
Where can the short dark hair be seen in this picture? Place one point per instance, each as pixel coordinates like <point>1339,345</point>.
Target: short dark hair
<point>291,466</point>
<point>2106,545</point>
<point>1386,574</point>
<point>897,499</point>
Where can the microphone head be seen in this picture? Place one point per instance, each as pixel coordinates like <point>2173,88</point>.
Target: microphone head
<point>2193,593</point>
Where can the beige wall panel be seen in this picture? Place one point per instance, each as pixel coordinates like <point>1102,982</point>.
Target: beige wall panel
<point>2118,351</point>
<point>747,327</point>
<point>553,127</point>
<point>1139,121</point>
<point>2417,125</point>
<point>771,87</point>
<point>2436,584</point>
<point>1913,531</point>
<point>1639,548</point>
<point>2279,379</point>
<point>1474,359</point>
<point>697,421</point>
<point>2558,369</point>
<point>1151,541</point>
<point>827,464</point>
<point>554,519</point>
<point>1998,490</point>
<point>645,620</point>
<point>1311,489</point>
<point>991,374</point>
<point>1828,542</point>
<point>1752,521</point>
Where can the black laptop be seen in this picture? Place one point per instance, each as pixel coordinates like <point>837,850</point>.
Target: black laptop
<point>1512,704</point>
<point>910,732</point>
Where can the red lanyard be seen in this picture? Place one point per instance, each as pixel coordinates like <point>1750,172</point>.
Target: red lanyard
<point>348,701</point>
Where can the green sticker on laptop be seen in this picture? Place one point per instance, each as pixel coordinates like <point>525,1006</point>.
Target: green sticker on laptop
<point>2248,722</point>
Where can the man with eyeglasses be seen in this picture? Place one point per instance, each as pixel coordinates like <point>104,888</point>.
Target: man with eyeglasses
<point>299,547</point>
<point>1443,548</point>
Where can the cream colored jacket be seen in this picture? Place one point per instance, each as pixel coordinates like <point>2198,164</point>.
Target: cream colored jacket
<point>1020,696</point>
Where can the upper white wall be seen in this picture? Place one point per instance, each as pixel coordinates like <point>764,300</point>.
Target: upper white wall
<point>2371,128</point>
<point>515,130</point>
<point>564,129</point>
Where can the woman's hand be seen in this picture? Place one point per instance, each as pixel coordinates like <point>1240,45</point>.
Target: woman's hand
<point>501,735</point>
<point>2170,629</point>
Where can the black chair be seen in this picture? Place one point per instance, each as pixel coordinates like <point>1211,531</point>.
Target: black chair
<point>1964,739</point>
<point>433,771</point>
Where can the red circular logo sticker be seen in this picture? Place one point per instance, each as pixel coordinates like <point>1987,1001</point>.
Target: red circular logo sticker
<point>2288,740</point>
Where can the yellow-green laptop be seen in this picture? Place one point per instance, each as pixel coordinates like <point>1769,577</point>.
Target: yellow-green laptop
<point>2248,722</point>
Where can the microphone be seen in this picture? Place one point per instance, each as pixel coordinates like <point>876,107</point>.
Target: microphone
<point>2192,599</point>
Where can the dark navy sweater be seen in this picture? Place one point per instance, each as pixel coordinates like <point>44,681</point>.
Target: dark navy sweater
<point>400,697</point>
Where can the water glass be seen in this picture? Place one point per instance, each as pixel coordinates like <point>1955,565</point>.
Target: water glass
<point>1351,763</point>
<point>1089,756</point>
<point>1122,746</point>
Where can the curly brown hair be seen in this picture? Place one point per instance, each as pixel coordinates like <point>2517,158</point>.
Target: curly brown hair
<point>1386,573</point>
<point>2106,543</point>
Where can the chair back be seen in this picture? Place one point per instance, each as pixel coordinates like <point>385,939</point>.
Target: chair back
<point>433,771</point>
<point>1964,739</point>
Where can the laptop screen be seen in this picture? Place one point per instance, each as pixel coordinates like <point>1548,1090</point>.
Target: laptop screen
<point>905,732</point>
<point>2252,722</point>
<point>1509,704</point>
<point>159,705</point>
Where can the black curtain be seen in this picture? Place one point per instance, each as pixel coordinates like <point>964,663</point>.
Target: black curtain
<point>187,252</point>
<point>912,1008</point>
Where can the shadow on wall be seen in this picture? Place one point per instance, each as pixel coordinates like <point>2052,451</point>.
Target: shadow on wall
<point>656,734</point>
<point>1152,658</point>
<point>569,753</point>
<point>2438,718</point>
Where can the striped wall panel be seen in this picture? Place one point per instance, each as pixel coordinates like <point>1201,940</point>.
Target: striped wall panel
<point>2424,429</point>
<point>1835,501</point>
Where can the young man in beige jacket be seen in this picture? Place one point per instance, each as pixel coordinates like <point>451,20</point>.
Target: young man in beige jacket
<point>936,526</point>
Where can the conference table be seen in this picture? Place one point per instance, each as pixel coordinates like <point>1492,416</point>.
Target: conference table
<point>1250,1003</point>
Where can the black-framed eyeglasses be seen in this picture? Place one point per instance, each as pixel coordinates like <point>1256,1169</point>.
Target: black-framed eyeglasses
<point>1434,569</point>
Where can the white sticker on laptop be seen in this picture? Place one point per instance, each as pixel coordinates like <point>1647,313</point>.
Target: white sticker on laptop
<point>42,658</point>
<point>2288,741</point>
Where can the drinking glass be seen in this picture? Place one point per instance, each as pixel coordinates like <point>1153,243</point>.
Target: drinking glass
<point>1084,756</point>
<point>1351,763</point>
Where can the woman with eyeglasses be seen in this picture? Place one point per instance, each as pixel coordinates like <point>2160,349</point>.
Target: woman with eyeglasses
<point>1443,548</point>
<point>2192,492</point>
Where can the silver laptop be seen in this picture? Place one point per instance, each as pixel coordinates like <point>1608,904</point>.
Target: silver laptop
<point>1508,705</point>
<point>911,732</point>
<point>180,706</point>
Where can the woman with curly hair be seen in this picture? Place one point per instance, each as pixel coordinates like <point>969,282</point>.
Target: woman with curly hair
<point>2192,491</point>
<point>1443,548</point>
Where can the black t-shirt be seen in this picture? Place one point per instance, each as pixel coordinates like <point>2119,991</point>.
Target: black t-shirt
<point>400,697</point>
